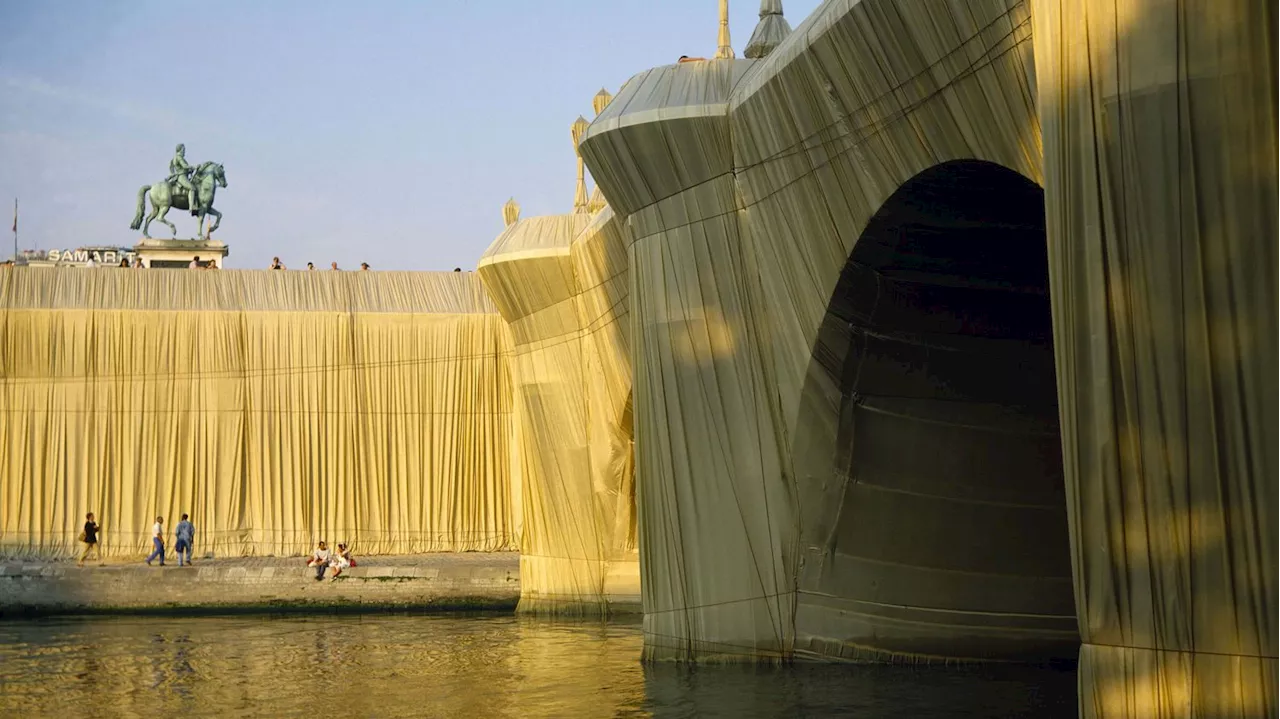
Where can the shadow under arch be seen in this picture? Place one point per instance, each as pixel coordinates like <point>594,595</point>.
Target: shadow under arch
<point>927,452</point>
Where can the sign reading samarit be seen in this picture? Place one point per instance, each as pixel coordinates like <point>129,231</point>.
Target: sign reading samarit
<point>98,255</point>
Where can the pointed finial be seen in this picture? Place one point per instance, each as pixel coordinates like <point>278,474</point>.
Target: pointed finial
<point>724,49</point>
<point>578,129</point>
<point>511,212</point>
<point>601,100</point>
<point>770,32</point>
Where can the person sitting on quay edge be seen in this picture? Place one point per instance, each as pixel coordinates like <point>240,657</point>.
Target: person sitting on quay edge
<point>333,265</point>
<point>157,541</point>
<point>340,560</point>
<point>275,264</point>
<point>319,559</point>
<point>186,536</point>
<point>124,262</point>
<point>90,538</point>
<point>311,267</point>
<point>195,264</point>
<point>137,263</point>
<point>364,266</point>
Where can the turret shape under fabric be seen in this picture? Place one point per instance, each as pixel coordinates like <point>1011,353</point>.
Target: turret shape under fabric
<point>772,29</point>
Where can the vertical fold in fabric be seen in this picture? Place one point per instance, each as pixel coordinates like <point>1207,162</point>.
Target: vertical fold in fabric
<point>1159,123</point>
<point>276,408</point>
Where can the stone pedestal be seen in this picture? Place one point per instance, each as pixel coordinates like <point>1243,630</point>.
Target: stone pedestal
<point>179,253</point>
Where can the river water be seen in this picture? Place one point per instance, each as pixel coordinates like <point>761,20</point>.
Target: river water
<point>457,666</point>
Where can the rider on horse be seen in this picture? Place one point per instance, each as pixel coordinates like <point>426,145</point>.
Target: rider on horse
<point>180,175</point>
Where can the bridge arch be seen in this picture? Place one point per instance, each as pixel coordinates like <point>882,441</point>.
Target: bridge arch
<point>927,454</point>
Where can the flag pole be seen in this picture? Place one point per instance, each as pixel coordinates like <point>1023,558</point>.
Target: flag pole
<point>15,230</point>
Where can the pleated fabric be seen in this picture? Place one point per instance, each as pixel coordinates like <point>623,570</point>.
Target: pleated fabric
<point>276,408</point>
<point>746,185</point>
<point>773,425</point>
<point>561,283</point>
<point>1159,124</point>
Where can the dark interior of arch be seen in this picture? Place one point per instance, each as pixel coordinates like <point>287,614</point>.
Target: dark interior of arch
<point>933,513</point>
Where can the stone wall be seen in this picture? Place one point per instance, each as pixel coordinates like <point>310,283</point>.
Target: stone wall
<point>438,582</point>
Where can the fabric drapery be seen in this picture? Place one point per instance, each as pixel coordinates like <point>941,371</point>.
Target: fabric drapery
<point>1159,121</point>
<point>746,186</point>
<point>276,408</point>
<point>561,282</point>
<point>749,188</point>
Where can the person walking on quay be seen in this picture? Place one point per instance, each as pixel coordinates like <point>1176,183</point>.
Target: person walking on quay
<point>186,536</point>
<point>157,541</point>
<point>90,538</point>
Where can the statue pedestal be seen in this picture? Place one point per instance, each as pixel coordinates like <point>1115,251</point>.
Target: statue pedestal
<point>179,253</point>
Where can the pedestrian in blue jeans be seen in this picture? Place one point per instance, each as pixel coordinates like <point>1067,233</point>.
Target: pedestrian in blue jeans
<point>185,533</point>
<point>157,541</point>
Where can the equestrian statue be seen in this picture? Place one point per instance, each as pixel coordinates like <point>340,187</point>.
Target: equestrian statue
<point>186,188</point>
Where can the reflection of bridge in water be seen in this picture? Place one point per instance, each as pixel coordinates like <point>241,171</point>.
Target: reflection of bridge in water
<point>943,331</point>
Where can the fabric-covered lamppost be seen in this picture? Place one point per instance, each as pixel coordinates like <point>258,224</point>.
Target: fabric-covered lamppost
<point>601,101</point>
<point>770,32</point>
<point>598,103</point>
<point>578,130</point>
<point>510,212</point>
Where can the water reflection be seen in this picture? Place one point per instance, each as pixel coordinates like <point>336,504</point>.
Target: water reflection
<point>456,666</point>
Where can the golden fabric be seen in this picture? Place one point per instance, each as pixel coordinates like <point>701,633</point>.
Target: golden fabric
<point>747,185</point>
<point>808,476</point>
<point>561,282</point>
<point>1159,121</point>
<point>277,408</point>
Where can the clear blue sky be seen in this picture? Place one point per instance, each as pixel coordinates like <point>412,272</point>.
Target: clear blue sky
<point>386,132</point>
